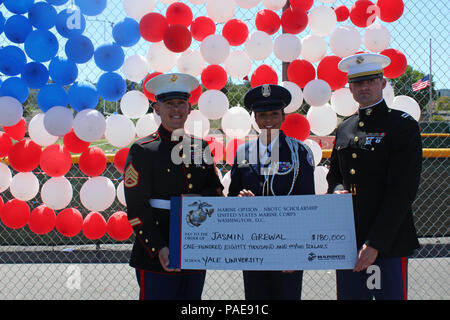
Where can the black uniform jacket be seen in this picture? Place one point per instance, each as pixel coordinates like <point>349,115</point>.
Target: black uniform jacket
<point>377,156</point>
<point>159,168</point>
<point>246,174</point>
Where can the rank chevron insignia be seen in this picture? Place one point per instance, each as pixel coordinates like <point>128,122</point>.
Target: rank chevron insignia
<point>131,177</point>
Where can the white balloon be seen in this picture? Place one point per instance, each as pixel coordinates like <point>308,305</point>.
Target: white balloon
<point>121,193</point>
<point>160,58</point>
<point>296,94</point>
<point>56,193</point>
<point>97,193</point>
<point>247,4</point>
<point>134,104</point>
<point>24,186</point>
<point>258,45</point>
<point>135,68</point>
<point>314,48</point>
<point>236,123</point>
<point>38,133</point>
<point>219,10</point>
<point>11,111</point>
<point>322,20</point>
<point>197,124</point>
<point>58,120</point>
<point>215,49</point>
<point>320,180</point>
<point>197,1</point>
<point>168,1</point>
<point>120,130</point>
<point>316,150</point>
<point>136,9</point>
<point>5,177</point>
<point>89,125</point>
<point>287,47</point>
<point>376,38</point>
<point>388,94</point>
<point>191,62</point>
<point>213,104</point>
<point>343,103</point>
<point>327,1</point>
<point>345,41</point>
<point>323,120</point>
<point>147,124</point>
<point>317,92</point>
<point>274,4</point>
<point>408,105</point>
<point>238,64</point>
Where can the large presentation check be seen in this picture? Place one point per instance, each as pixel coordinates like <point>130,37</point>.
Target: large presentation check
<point>307,232</point>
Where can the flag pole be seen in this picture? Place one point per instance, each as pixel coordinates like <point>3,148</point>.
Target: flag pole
<point>430,109</point>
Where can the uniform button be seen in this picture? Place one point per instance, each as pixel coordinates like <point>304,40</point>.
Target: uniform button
<point>361,124</point>
<point>372,149</point>
<point>153,250</point>
<point>356,139</point>
<point>157,223</point>
<point>203,167</point>
<point>186,165</point>
<point>352,171</point>
<point>339,147</point>
<point>146,240</point>
<point>168,169</point>
<point>354,155</point>
<point>189,175</point>
<point>141,232</point>
<point>190,186</point>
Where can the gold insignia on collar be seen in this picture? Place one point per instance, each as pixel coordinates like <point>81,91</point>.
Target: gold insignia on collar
<point>368,112</point>
<point>173,78</point>
<point>359,60</point>
<point>265,90</point>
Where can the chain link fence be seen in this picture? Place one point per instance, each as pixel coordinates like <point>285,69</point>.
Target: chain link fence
<point>52,266</point>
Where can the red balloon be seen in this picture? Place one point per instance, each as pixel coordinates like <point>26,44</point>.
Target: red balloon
<point>150,96</point>
<point>231,149</point>
<point>179,13</point>
<point>1,205</point>
<point>235,31</point>
<point>69,222</point>
<point>15,214</point>
<point>342,13</point>
<point>294,20</point>
<point>195,95</point>
<point>264,74</point>
<point>118,226</point>
<point>303,4</point>
<point>268,21</point>
<point>25,155</point>
<point>217,149</point>
<point>94,226</point>
<point>398,63</point>
<point>301,72</point>
<point>17,131</point>
<point>73,143</point>
<point>214,77</point>
<point>202,27</point>
<point>390,10</point>
<point>152,26</point>
<point>363,13</point>
<point>296,126</point>
<point>177,38</point>
<point>42,220</point>
<point>55,160</point>
<point>5,144</point>
<point>120,158</point>
<point>328,71</point>
<point>92,162</point>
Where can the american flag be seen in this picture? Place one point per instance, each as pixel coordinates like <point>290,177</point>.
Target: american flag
<point>422,83</point>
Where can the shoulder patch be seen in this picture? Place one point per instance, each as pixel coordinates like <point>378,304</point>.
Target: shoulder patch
<point>150,138</point>
<point>131,178</point>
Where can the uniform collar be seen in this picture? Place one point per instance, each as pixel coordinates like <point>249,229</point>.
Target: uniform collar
<point>374,111</point>
<point>167,135</point>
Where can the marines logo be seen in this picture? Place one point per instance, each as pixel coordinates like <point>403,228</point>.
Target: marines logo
<point>196,217</point>
<point>265,90</point>
<point>173,78</point>
<point>359,60</point>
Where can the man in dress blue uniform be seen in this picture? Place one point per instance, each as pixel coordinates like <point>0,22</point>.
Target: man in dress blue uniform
<point>377,156</point>
<point>164,164</point>
<point>272,165</point>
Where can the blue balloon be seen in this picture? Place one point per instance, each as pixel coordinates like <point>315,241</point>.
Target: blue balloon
<point>70,22</point>
<point>63,71</point>
<point>2,22</point>
<point>41,45</point>
<point>83,95</point>
<point>126,32</point>
<point>12,60</point>
<point>14,87</point>
<point>57,2</point>
<point>91,7</point>
<point>17,28</point>
<point>109,56</point>
<point>52,95</point>
<point>18,6</point>
<point>79,49</point>
<point>42,15</point>
<point>111,86</point>
<point>35,75</point>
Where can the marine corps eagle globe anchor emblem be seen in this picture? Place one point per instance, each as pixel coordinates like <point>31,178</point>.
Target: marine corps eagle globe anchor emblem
<point>196,217</point>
